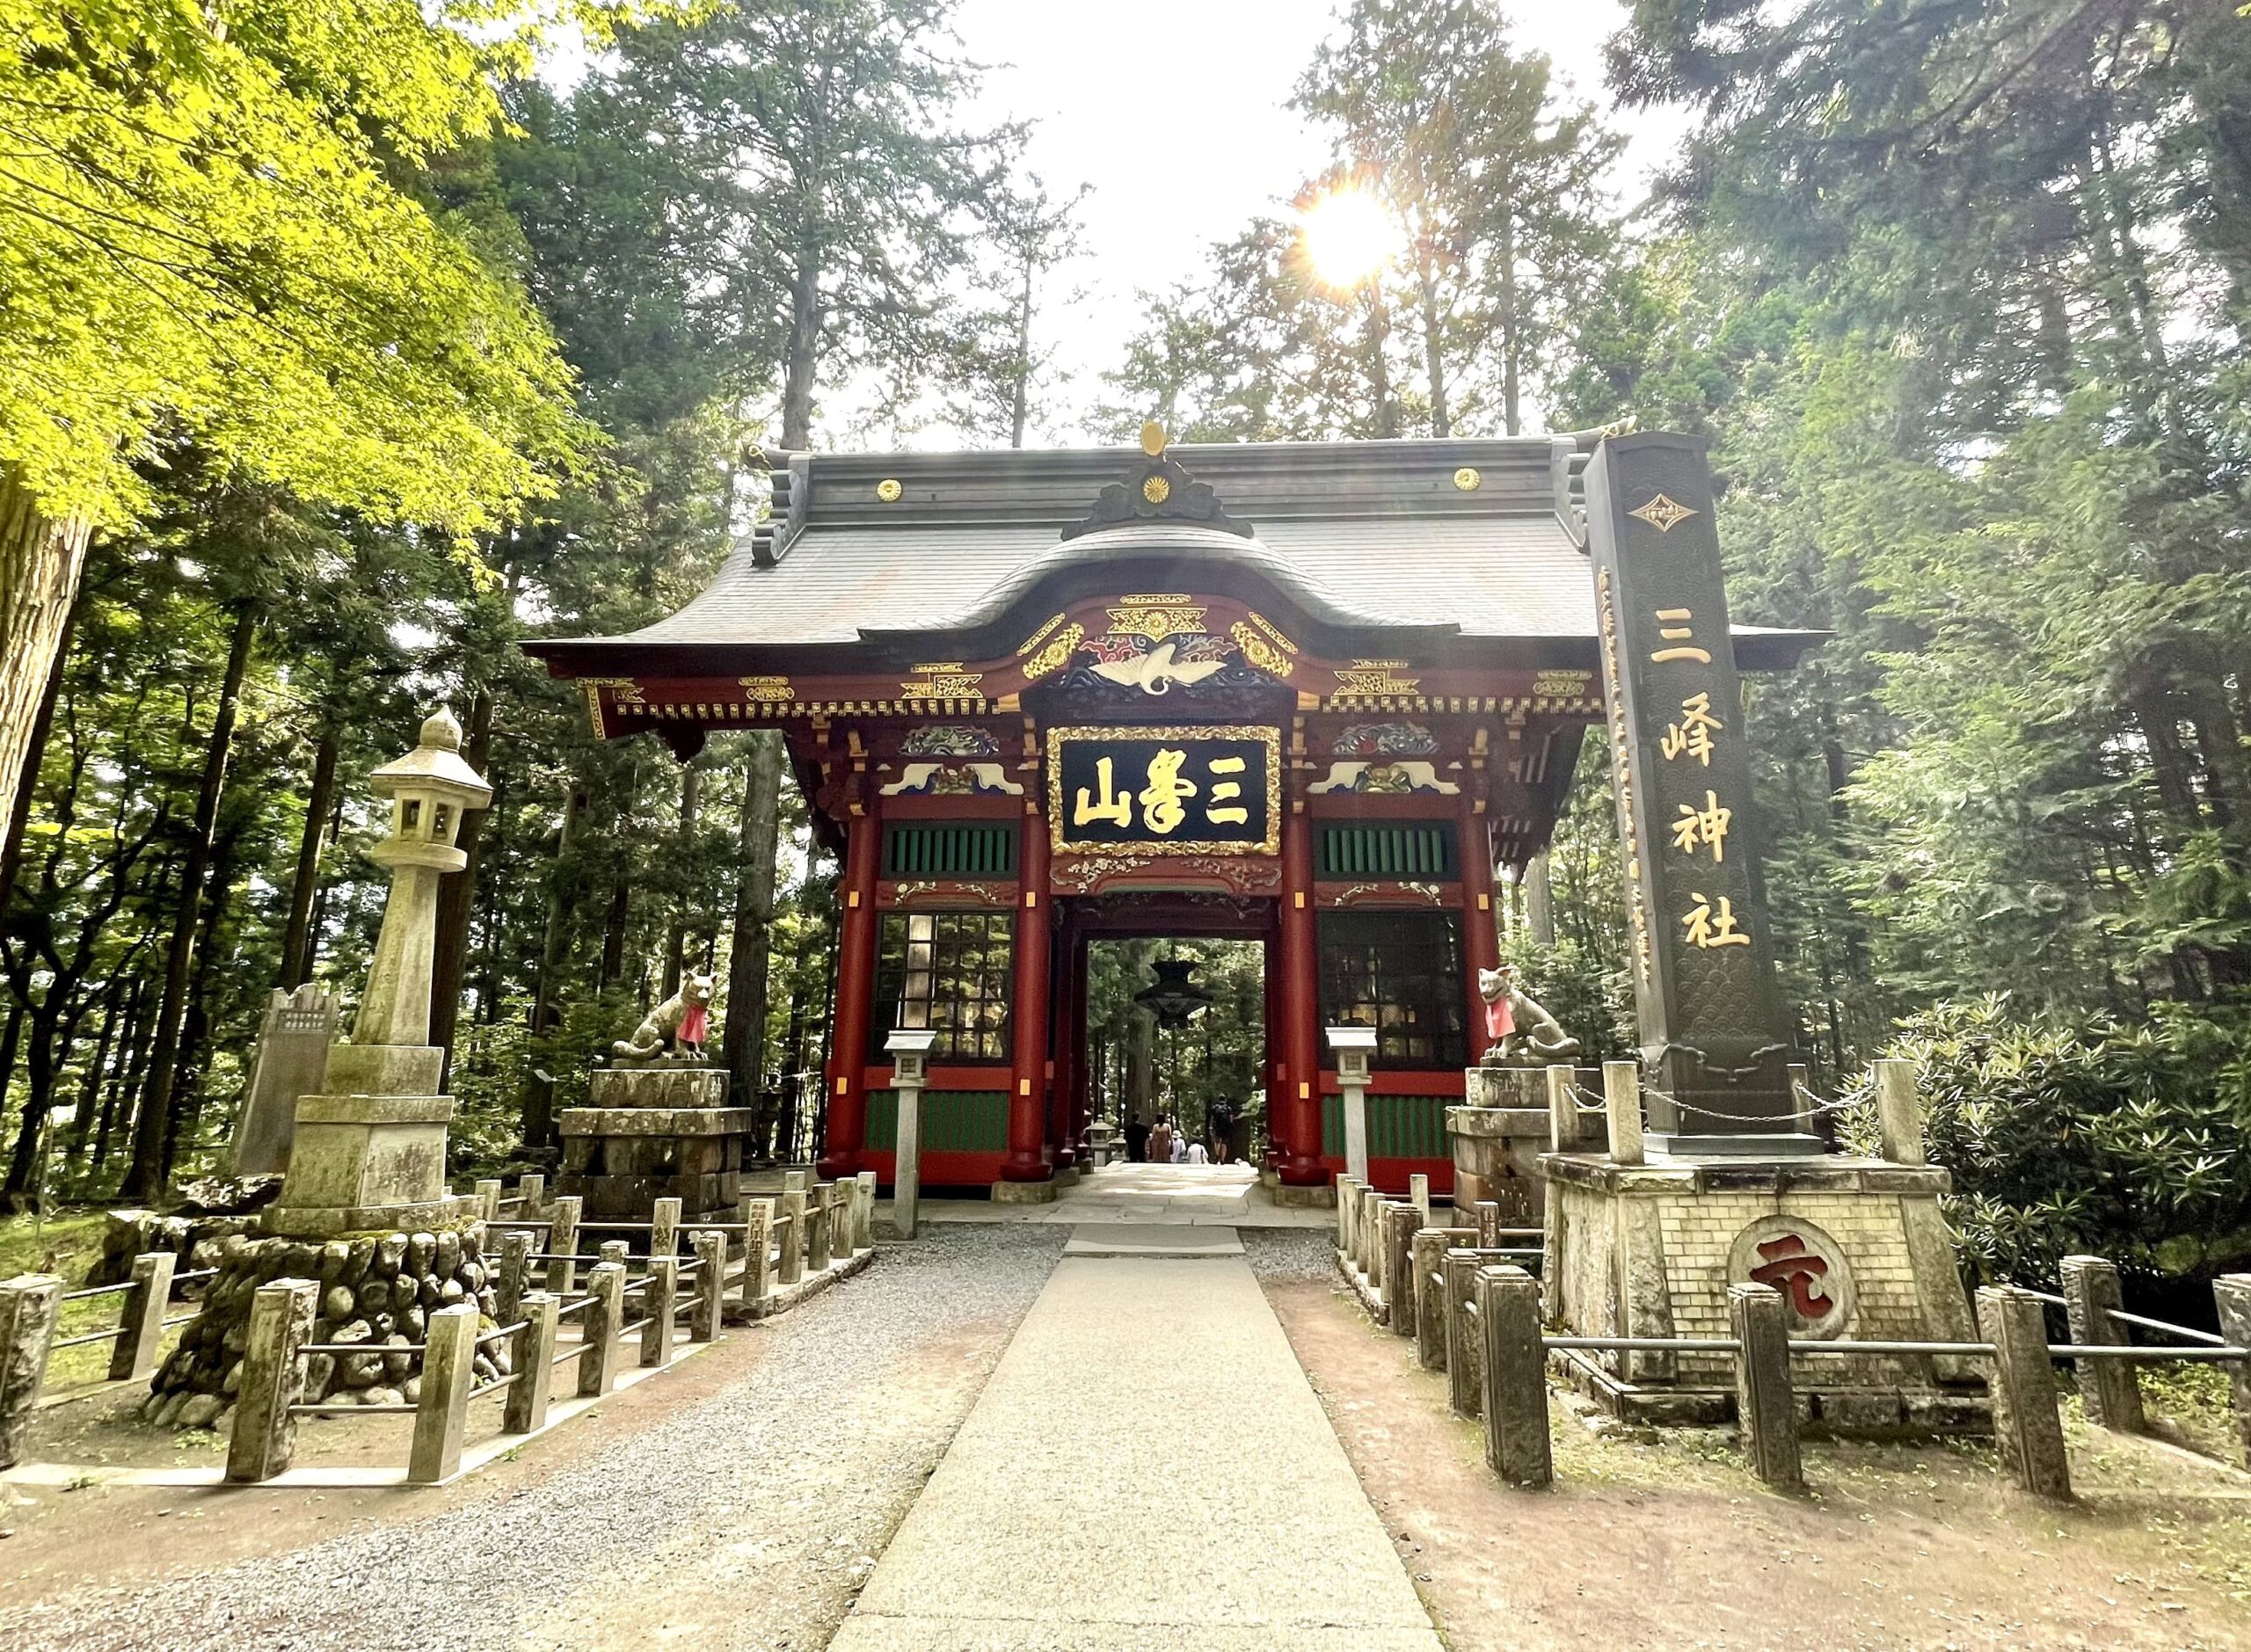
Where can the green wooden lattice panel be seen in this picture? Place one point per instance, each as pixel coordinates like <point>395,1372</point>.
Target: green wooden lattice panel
<point>1387,848</point>
<point>1399,1126</point>
<point>953,1120</point>
<point>971,849</point>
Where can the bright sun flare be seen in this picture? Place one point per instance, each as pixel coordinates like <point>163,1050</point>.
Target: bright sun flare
<point>1349,236</point>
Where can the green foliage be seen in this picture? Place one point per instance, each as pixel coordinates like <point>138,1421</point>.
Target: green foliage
<point>2097,1136</point>
<point>1587,991</point>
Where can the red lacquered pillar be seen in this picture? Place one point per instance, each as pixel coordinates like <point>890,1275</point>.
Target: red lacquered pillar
<point>1298,1124</point>
<point>856,986</point>
<point>1067,1099</point>
<point>1027,1160</point>
<point>1481,941</point>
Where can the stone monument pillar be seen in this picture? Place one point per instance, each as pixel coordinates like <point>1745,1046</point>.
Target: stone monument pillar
<point>292,1062</point>
<point>370,1149</point>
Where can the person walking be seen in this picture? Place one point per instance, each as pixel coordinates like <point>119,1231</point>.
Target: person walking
<point>1179,1146</point>
<point>1195,1154</point>
<point>1161,1142</point>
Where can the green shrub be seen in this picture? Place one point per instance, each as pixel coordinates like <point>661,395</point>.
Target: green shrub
<point>1592,998</point>
<point>2121,1141</point>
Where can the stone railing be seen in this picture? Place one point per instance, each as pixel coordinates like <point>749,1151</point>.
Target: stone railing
<point>30,1313</point>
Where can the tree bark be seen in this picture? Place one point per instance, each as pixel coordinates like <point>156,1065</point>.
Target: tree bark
<point>126,1083</point>
<point>538,1110</point>
<point>691,789</point>
<point>40,562</point>
<point>20,814</point>
<point>89,1088</point>
<point>297,941</point>
<point>144,1172</point>
<point>1020,398</point>
<point>805,348</point>
<point>1433,355</point>
<point>748,963</point>
<point>457,893</point>
<point>195,1028</point>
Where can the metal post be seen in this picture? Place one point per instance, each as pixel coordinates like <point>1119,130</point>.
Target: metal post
<point>1464,1349</point>
<point>598,1327</point>
<point>2025,1420</point>
<point>757,1257</point>
<point>2109,1389</point>
<point>1403,1221</point>
<point>563,1242</point>
<point>660,1301</point>
<point>1765,1405</point>
<point>273,1379</point>
<point>133,1356</point>
<point>1514,1372</point>
<point>524,1410</point>
<point>442,1414</point>
<point>29,1306</point>
<point>711,1283</point>
<point>1622,1096</point>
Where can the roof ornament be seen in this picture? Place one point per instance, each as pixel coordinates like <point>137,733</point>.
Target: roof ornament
<point>1157,489</point>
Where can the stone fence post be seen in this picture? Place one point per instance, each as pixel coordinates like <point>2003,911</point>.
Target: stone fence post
<point>1429,1247</point>
<point>711,1283</point>
<point>1898,1112</point>
<point>757,1255</point>
<point>1514,1370</point>
<point>563,1244</point>
<point>663,1228</point>
<point>29,1304</point>
<point>2232,1296</point>
<point>133,1356</point>
<point>1464,1351</point>
<point>1564,1130</point>
<point>864,1212</point>
<point>793,1234</point>
<point>1765,1405</point>
<point>1401,1221</point>
<point>274,1379</point>
<point>531,1196</point>
<point>488,1193</point>
<point>599,1324</point>
<point>2110,1389</point>
<point>1348,1205</point>
<point>1622,1096</point>
<point>524,1411</point>
<point>442,1414</point>
<point>2026,1422</point>
<point>660,1303</point>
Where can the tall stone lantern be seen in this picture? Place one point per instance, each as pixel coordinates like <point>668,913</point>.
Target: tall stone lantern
<point>370,1152</point>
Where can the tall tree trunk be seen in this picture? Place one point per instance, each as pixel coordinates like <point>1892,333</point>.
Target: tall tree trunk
<point>1433,355</point>
<point>492,976</point>
<point>691,781</point>
<point>457,893</point>
<point>41,1059</point>
<point>89,1088</point>
<point>538,1110</point>
<point>1512,318</point>
<point>747,961</point>
<point>1386,411</point>
<point>144,1172</point>
<point>117,1105</point>
<point>1020,396</point>
<point>298,939</point>
<point>195,1028</point>
<point>804,347</point>
<point>11,1043</point>
<point>40,562</point>
<point>20,814</point>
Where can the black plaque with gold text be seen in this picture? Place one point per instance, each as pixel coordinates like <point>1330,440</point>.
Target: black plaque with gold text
<point>1186,791</point>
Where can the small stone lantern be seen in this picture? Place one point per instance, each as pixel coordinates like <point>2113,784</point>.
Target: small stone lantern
<point>909,1048</point>
<point>1352,1047</point>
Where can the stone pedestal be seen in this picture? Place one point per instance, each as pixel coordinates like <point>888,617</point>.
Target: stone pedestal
<point>1498,1135</point>
<point>1856,1246</point>
<point>658,1130</point>
<point>368,1163</point>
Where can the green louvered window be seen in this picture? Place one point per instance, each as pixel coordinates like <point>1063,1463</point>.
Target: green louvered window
<point>953,1120</point>
<point>1403,850</point>
<point>955,848</point>
<point>1399,1126</point>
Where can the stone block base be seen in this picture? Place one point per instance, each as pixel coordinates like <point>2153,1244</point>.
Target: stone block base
<point>1024,1192</point>
<point>620,1161</point>
<point>1297,1198</point>
<point>1856,1246</point>
<point>660,1084</point>
<point>454,1212</point>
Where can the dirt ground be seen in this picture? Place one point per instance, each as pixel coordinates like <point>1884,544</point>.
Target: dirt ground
<point>1672,1544</point>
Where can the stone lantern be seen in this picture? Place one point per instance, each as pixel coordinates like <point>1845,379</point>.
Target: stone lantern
<point>1353,1045</point>
<point>370,1151</point>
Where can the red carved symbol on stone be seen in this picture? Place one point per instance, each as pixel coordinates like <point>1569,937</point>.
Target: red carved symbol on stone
<point>1791,1266</point>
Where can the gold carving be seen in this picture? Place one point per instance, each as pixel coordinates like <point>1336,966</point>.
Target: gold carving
<point>1153,439</point>
<point>1272,630</point>
<point>888,490</point>
<point>1261,653</point>
<point>1157,617</point>
<point>1375,677</point>
<point>1140,849</point>
<point>945,680</point>
<point>1468,479</point>
<point>623,692</point>
<point>1156,490</point>
<point>1051,658</point>
<point>771,690</point>
<point>1663,513</point>
<point>1563,685</point>
<point>1037,637</point>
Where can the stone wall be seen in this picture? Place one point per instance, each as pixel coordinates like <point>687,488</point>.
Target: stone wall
<point>376,1290</point>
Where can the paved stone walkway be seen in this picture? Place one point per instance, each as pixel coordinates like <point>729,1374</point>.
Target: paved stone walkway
<point>1164,1195</point>
<point>1147,1467</point>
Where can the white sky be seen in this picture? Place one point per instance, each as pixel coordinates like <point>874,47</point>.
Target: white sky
<point>1173,110</point>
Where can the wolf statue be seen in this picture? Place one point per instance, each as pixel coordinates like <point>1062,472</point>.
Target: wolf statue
<point>1523,1035</point>
<point>676,1030</point>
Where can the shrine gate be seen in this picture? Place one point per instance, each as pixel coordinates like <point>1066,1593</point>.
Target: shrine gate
<point>1315,695</point>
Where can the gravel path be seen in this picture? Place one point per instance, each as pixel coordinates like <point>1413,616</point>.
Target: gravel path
<point>1291,1252</point>
<point>746,1516</point>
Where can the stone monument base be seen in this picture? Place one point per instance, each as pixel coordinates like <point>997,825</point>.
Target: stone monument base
<point>1497,1136</point>
<point>369,1162</point>
<point>1857,1246</point>
<point>620,1161</point>
<point>1024,1192</point>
